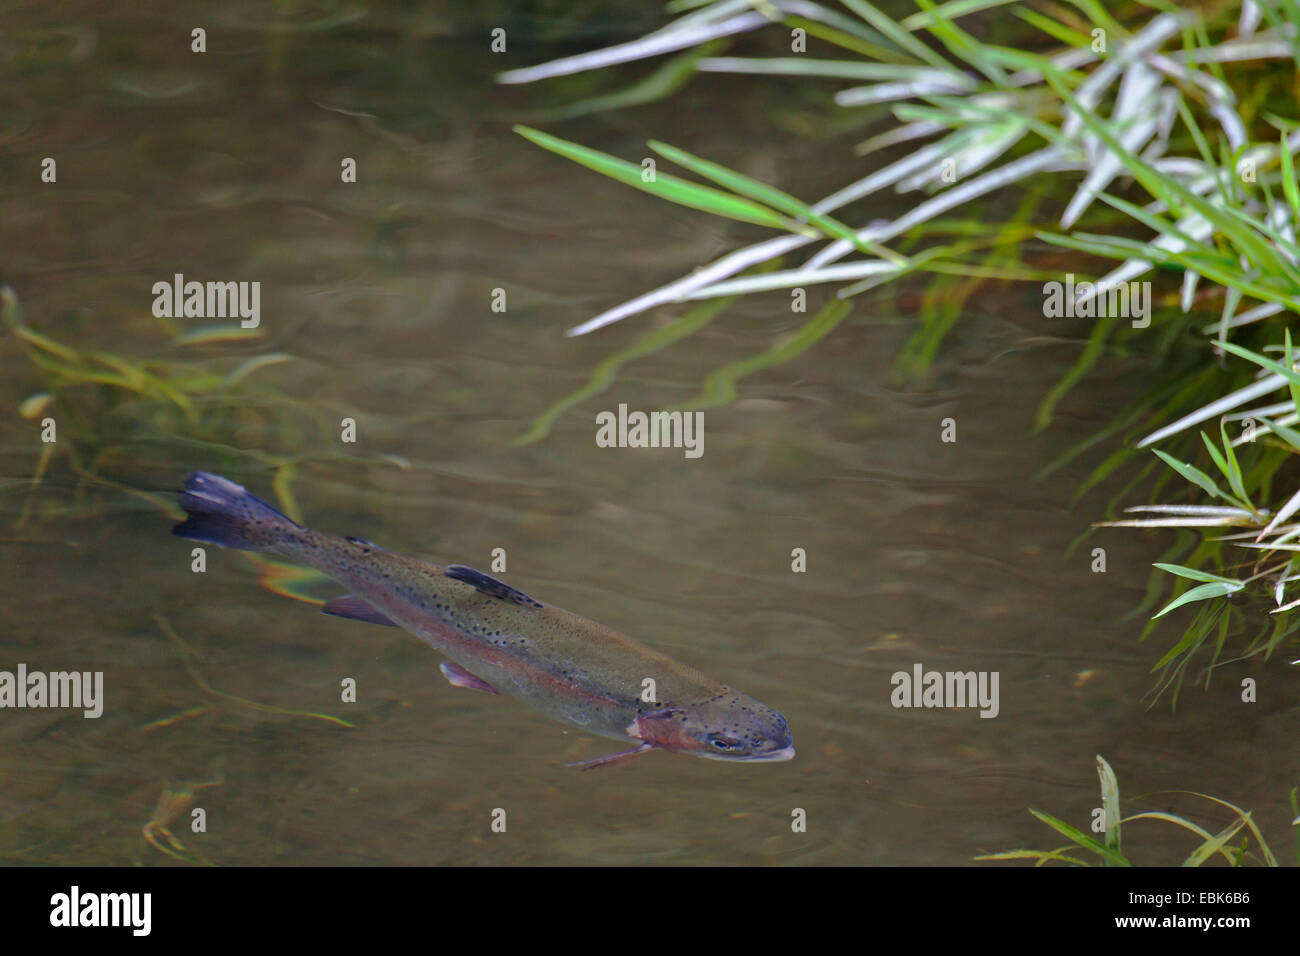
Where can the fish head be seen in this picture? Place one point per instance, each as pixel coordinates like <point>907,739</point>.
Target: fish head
<point>730,726</point>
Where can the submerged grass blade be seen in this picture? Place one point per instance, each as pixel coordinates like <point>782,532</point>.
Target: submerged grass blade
<point>663,82</point>
<point>606,372</point>
<point>720,386</point>
<point>187,652</point>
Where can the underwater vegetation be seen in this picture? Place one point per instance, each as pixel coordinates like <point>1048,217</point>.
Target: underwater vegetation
<point>115,409</point>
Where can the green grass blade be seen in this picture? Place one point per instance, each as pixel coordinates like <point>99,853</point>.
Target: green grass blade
<point>1204,592</point>
<point>1246,819</point>
<point>1213,845</point>
<point>1192,474</point>
<point>1290,374</point>
<point>1289,187</point>
<point>1290,363</point>
<point>1193,573</point>
<point>1235,477</point>
<point>1110,802</point>
<point>769,196</point>
<point>1041,856</point>
<point>662,185</point>
<point>1113,857</point>
<point>890,29</point>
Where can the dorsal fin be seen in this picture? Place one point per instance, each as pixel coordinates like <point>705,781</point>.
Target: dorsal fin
<point>349,605</point>
<point>363,542</point>
<point>489,585</point>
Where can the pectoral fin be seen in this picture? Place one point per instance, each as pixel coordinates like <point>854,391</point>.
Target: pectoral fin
<point>459,677</point>
<point>608,759</point>
<point>349,605</point>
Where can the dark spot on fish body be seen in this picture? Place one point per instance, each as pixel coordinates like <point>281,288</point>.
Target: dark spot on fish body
<point>366,546</point>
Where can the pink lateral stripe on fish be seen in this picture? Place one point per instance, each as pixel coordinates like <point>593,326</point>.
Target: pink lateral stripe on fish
<point>500,640</point>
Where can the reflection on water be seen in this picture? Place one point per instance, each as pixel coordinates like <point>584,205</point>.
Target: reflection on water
<point>919,551</point>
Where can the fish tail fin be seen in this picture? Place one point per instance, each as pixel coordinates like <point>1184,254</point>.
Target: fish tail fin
<point>223,513</point>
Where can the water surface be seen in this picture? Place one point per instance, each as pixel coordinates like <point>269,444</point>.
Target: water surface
<point>226,166</point>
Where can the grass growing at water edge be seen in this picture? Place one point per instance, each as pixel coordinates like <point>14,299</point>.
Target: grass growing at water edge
<point>1170,131</point>
<point>1232,844</point>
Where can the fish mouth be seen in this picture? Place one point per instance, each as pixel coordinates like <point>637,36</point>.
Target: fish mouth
<point>776,756</point>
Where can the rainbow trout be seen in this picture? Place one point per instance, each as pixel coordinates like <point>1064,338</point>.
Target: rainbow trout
<point>499,640</point>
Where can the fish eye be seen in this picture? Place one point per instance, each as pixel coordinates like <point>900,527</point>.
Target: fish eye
<point>724,744</point>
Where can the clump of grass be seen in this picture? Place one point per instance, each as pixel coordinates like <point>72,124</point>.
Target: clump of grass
<point>981,102</point>
<point>1268,538</point>
<point>1174,110</point>
<point>1231,844</point>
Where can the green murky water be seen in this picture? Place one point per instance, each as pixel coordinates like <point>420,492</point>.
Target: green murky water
<point>225,166</point>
